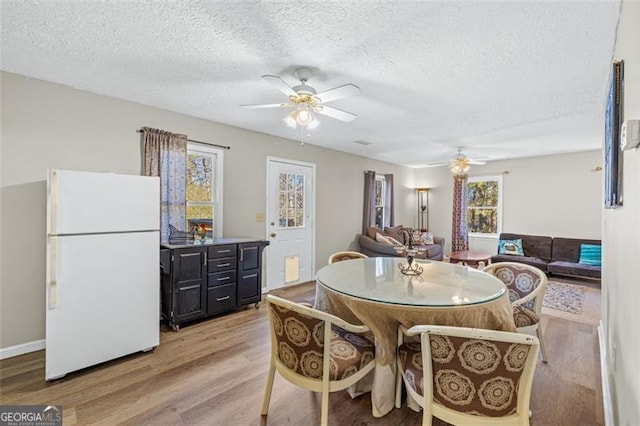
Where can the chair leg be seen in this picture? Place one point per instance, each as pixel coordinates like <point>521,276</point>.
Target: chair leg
<point>268,387</point>
<point>398,387</point>
<point>543,352</point>
<point>325,407</point>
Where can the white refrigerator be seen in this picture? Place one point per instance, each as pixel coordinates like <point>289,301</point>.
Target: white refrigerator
<point>102,274</point>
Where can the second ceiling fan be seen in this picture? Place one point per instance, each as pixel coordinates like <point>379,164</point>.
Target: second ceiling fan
<point>306,101</point>
<point>460,163</point>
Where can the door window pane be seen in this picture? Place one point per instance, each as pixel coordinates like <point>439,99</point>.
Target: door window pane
<point>291,200</point>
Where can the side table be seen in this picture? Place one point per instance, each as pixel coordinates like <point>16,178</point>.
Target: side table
<point>470,258</point>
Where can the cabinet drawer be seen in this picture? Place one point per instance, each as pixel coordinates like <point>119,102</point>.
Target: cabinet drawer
<point>222,264</point>
<point>221,298</point>
<point>225,250</point>
<point>221,278</point>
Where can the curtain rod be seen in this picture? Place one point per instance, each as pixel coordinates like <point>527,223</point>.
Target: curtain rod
<point>204,143</point>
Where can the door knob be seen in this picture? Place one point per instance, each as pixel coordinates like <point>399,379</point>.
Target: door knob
<point>273,235</point>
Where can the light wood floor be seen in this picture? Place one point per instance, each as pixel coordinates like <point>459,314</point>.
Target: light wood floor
<point>213,373</point>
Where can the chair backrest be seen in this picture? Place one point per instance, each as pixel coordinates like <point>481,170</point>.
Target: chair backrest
<point>346,255</point>
<point>478,372</point>
<point>298,339</point>
<point>521,281</point>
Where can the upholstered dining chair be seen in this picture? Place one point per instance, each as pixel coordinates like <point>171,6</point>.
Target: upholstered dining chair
<point>467,376</point>
<point>526,285</point>
<point>346,255</point>
<point>315,350</point>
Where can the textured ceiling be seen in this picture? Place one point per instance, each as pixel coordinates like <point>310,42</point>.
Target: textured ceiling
<point>502,79</point>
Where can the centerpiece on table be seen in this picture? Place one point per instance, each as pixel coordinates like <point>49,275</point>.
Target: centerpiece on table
<point>411,268</point>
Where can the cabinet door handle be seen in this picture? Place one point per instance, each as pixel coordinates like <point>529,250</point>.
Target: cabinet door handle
<point>220,265</point>
<point>250,276</point>
<point>204,263</point>
<point>220,299</point>
<point>223,279</point>
<point>241,254</point>
<point>191,287</point>
<point>224,251</point>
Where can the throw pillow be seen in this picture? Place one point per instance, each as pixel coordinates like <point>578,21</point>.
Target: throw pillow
<point>393,240</point>
<point>417,238</point>
<point>590,254</point>
<point>383,240</point>
<point>372,231</point>
<point>513,247</point>
<point>427,238</point>
<point>395,232</point>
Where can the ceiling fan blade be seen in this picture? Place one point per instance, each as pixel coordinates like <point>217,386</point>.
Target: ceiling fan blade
<point>338,93</point>
<point>257,106</point>
<point>336,113</point>
<point>442,163</point>
<point>477,162</point>
<point>280,84</point>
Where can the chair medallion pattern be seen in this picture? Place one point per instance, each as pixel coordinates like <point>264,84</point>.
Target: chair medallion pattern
<point>300,341</point>
<point>479,375</point>
<point>528,283</point>
<point>301,354</point>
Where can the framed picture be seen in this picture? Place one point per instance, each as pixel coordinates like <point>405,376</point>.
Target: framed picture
<point>612,153</point>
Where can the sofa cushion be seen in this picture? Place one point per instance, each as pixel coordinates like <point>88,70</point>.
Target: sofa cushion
<point>432,250</point>
<point>395,232</point>
<point>533,261</point>
<point>533,245</point>
<point>568,249</point>
<point>560,267</point>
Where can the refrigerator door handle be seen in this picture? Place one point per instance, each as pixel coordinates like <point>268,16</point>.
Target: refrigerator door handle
<point>53,201</point>
<point>53,279</point>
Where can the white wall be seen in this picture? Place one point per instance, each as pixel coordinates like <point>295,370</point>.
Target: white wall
<point>46,125</point>
<point>558,196</point>
<point>621,246</point>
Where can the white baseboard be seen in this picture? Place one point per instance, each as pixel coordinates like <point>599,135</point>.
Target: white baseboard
<point>24,348</point>
<point>604,372</point>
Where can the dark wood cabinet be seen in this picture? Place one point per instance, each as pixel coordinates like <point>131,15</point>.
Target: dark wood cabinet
<point>209,279</point>
<point>249,267</point>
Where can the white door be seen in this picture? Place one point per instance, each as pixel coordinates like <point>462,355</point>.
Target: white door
<point>290,222</point>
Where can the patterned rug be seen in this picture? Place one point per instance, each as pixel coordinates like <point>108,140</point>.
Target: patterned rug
<point>564,297</point>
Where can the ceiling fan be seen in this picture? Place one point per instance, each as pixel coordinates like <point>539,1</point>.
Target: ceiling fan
<point>460,163</point>
<point>306,101</point>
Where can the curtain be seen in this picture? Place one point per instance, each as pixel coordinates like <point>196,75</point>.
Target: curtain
<point>165,155</point>
<point>369,210</point>
<point>460,233</point>
<point>388,199</point>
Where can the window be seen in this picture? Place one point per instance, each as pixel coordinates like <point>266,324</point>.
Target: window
<point>484,205</point>
<point>204,188</point>
<point>380,197</point>
<point>291,200</point>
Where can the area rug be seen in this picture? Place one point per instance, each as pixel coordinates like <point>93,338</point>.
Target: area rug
<point>564,297</point>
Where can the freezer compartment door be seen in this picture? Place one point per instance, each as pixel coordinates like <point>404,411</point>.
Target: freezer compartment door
<point>104,303</point>
<point>85,202</point>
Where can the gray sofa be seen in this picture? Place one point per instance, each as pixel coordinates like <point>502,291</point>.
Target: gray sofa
<point>372,248</point>
<point>558,256</point>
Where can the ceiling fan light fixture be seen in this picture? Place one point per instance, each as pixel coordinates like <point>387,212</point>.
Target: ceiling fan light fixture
<point>460,166</point>
<point>290,119</point>
<point>304,115</point>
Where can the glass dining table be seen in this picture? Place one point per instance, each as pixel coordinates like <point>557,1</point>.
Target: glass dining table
<point>374,292</point>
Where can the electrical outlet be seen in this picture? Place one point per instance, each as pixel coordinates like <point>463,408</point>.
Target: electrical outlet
<point>614,356</point>
<point>259,217</point>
